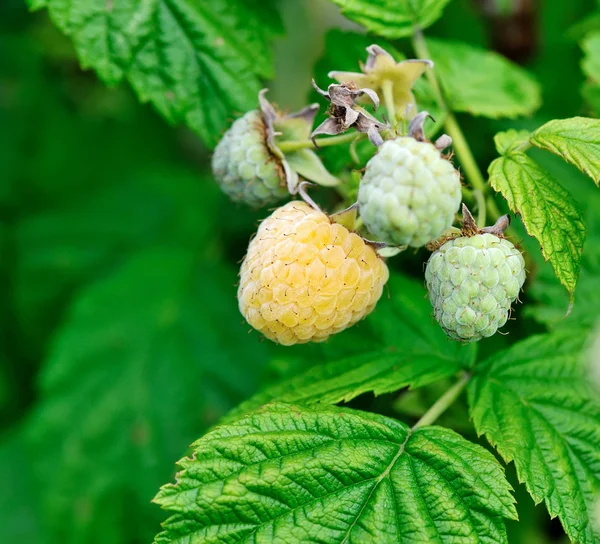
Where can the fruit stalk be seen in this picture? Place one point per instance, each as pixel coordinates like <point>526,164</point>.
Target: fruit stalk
<point>295,145</point>
<point>443,403</point>
<point>460,144</point>
<point>388,99</point>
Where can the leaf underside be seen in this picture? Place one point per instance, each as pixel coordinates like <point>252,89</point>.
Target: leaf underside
<point>289,474</point>
<point>534,404</point>
<point>148,331</point>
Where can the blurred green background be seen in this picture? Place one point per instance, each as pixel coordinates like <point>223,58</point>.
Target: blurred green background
<point>120,339</point>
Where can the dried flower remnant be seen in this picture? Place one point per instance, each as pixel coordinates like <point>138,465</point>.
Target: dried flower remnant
<point>344,113</point>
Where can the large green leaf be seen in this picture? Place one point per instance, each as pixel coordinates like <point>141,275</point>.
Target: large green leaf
<point>591,61</point>
<point>393,18</point>
<point>591,67</point>
<point>534,403</point>
<point>198,63</point>
<point>60,249</point>
<point>547,210</point>
<point>552,302</point>
<point>407,349</point>
<point>481,82</point>
<point>288,474</point>
<point>18,494</point>
<point>576,140</point>
<point>142,365</point>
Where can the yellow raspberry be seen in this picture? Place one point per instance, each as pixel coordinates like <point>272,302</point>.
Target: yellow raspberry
<point>305,278</point>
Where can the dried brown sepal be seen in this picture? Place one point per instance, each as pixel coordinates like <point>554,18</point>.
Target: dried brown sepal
<point>381,69</point>
<point>469,228</point>
<point>499,227</point>
<point>302,191</point>
<point>344,113</point>
<point>443,142</point>
<point>416,130</point>
<point>436,244</point>
<point>417,124</point>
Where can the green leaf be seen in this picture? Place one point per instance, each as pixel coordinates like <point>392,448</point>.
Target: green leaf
<point>74,242</point>
<point>585,26</point>
<point>591,60</point>
<point>510,140</point>
<point>547,210</point>
<point>197,63</point>
<point>481,82</point>
<point>408,349</point>
<point>533,402</point>
<point>288,474</point>
<point>308,164</point>
<point>552,301</point>
<point>141,366</point>
<point>393,18</point>
<point>18,494</point>
<point>591,67</point>
<point>576,140</point>
<point>34,5</point>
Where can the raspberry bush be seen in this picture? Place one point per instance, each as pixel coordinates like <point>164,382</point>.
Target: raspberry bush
<point>361,279</point>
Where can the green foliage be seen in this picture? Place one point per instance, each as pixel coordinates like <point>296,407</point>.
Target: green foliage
<point>54,257</point>
<point>174,299</point>
<point>591,62</point>
<point>481,82</point>
<point>534,403</point>
<point>547,210</point>
<point>393,18</point>
<point>553,302</point>
<point>511,141</point>
<point>576,140</point>
<point>18,493</point>
<point>120,340</point>
<point>197,64</point>
<point>591,67</point>
<point>285,474</point>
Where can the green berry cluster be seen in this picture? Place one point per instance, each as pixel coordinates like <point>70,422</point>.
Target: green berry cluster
<point>408,196</point>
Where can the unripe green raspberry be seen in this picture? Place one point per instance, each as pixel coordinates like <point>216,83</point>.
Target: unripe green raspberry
<point>409,193</point>
<point>305,278</point>
<point>472,282</point>
<point>244,166</point>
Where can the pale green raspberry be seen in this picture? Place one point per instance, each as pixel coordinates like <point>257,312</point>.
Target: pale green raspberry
<point>243,165</point>
<point>409,193</point>
<point>472,282</point>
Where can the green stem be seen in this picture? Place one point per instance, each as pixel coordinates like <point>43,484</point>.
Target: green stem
<point>443,403</point>
<point>525,146</point>
<point>459,142</point>
<point>481,208</point>
<point>388,98</point>
<point>296,145</point>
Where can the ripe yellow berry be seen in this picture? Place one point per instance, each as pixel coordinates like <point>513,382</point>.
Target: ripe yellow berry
<point>305,278</point>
